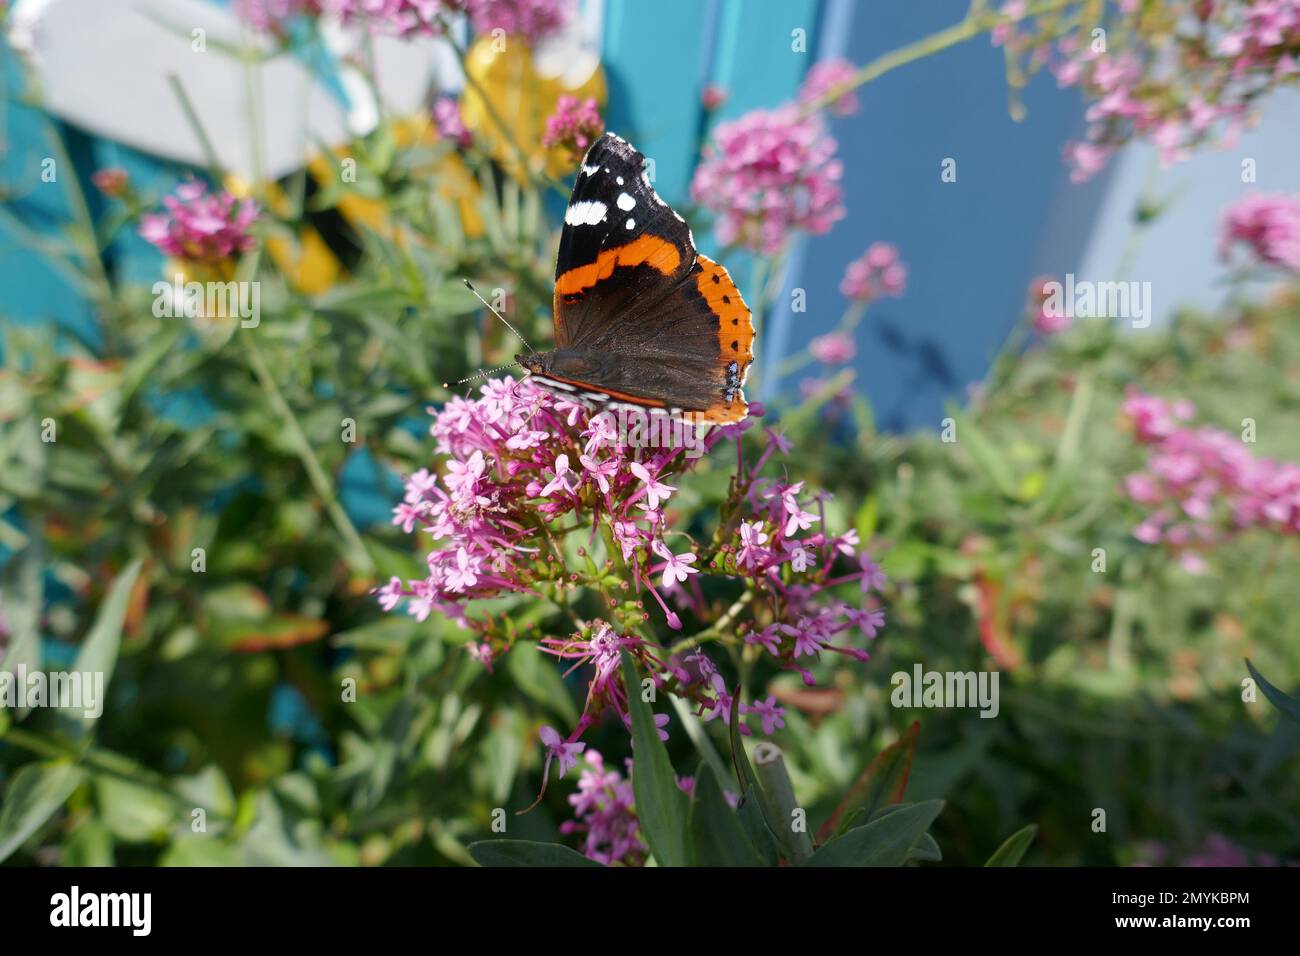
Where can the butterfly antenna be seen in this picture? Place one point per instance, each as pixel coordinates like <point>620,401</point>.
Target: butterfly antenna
<point>498,315</point>
<point>481,373</point>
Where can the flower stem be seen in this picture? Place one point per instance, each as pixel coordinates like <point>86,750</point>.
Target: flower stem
<point>975,23</point>
<point>357,555</point>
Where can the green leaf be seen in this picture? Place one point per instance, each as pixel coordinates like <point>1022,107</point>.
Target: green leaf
<point>195,850</point>
<point>882,782</point>
<point>89,845</point>
<point>536,675</point>
<point>526,853</point>
<point>21,591</point>
<point>661,807</point>
<point>885,841</point>
<point>134,813</point>
<point>989,459</point>
<point>926,850</point>
<point>717,835</point>
<point>1288,705</point>
<point>769,764</point>
<point>699,736</point>
<point>1010,852</point>
<point>98,653</point>
<point>755,805</point>
<point>760,836</point>
<point>31,797</point>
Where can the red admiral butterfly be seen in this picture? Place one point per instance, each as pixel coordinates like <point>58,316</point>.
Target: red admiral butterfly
<point>640,317</point>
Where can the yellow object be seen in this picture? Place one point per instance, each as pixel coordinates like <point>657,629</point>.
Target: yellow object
<point>522,99</point>
<point>307,261</point>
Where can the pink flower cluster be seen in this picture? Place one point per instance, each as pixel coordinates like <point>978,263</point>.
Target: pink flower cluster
<point>1202,485</point>
<point>767,174</point>
<point>575,124</point>
<point>447,120</point>
<point>1216,851</point>
<point>604,809</point>
<point>531,19</point>
<point>271,16</point>
<point>1269,225</point>
<point>199,226</point>
<point>1046,321</point>
<point>833,348</point>
<point>1176,79</point>
<point>877,272</point>
<point>826,76</point>
<point>400,18</point>
<point>522,463</point>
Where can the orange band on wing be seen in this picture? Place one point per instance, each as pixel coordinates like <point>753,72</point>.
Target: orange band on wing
<point>735,326</point>
<point>659,254</point>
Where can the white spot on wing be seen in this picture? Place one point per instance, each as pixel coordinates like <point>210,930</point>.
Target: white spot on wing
<point>645,178</point>
<point>619,180</point>
<point>625,202</point>
<point>586,213</point>
<point>631,223</point>
<point>591,170</point>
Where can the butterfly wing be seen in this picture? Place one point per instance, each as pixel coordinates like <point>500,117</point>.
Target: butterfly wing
<point>663,325</point>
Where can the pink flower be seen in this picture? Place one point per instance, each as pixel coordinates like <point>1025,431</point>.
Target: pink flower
<point>834,348</point>
<point>446,117</point>
<point>1005,33</point>
<point>481,653</point>
<point>826,76</point>
<point>575,124</point>
<point>1046,320</point>
<point>1176,81</point>
<point>676,566</point>
<point>390,593</point>
<point>767,174</point>
<point>1086,160</point>
<point>271,16</point>
<point>464,573</point>
<point>112,182</point>
<point>400,18</point>
<point>604,810</point>
<point>500,510</point>
<point>713,97</point>
<point>201,228</point>
<point>877,272</point>
<point>656,490</point>
<point>561,480</point>
<point>752,539</point>
<point>1269,226</point>
<point>559,749</point>
<point>531,19</point>
<point>1201,485</point>
<point>772,715</point>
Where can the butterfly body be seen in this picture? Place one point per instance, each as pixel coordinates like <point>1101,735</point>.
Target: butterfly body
<point>640,317</point>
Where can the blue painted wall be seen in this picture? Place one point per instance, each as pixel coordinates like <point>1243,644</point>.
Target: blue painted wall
<point>971,246</point>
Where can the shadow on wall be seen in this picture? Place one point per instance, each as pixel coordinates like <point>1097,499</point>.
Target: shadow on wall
<point>972,245</point>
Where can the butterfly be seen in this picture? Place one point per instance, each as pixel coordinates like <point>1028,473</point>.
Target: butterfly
<point>641,318</point>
